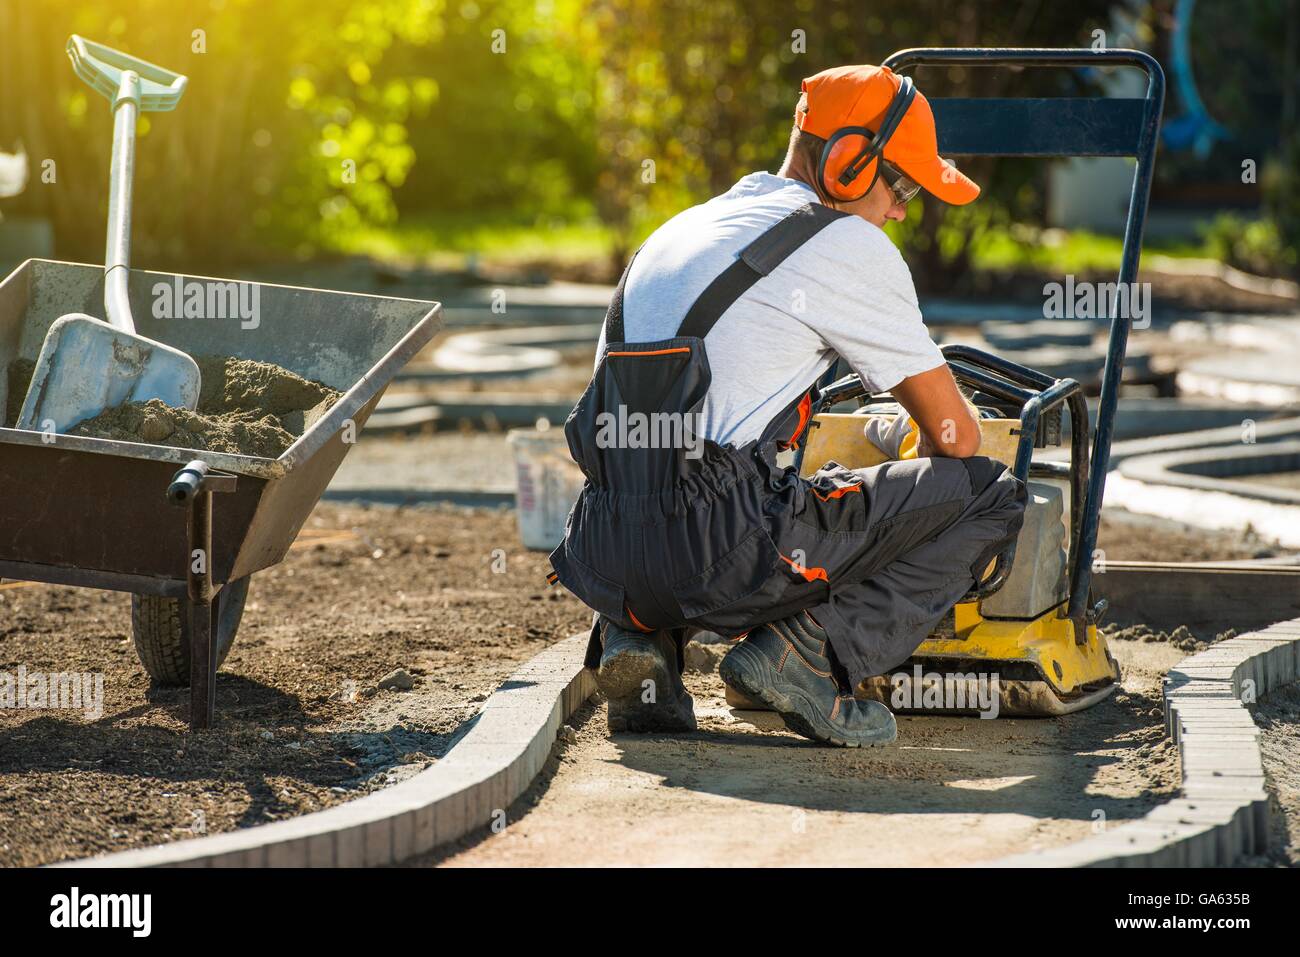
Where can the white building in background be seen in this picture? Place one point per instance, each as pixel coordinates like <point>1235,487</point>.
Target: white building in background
<point>1092,192</point>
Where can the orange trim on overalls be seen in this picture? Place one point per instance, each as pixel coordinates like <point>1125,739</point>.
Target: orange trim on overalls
<point>654,352</point>
<point>809,574</point>
<point>838,493</point>
<point>635,621</point>
<point>805,412</point>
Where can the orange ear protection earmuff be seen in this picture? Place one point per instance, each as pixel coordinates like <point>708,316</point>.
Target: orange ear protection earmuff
<point>854,150</point>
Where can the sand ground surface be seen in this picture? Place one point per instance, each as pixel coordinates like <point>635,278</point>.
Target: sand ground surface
<point>745,791</point>
<point>1278,718</point>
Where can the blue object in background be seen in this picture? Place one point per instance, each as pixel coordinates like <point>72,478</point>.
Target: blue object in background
<point>1194,128</point>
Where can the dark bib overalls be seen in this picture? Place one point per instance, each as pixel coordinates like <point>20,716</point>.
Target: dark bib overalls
<point>679,535</point>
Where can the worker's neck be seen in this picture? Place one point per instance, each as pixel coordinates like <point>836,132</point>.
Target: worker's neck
<point>800,173</point>
<point>796,171</point>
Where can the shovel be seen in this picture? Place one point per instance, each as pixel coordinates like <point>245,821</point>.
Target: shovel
<point>87,366</point>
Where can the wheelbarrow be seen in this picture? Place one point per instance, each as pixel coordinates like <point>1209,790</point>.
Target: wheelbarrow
<point>103,514</point>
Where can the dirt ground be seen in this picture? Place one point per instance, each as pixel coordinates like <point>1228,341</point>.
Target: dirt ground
<point>1278,718</point>
<point>1131,537</point>
<point>951,791</point>
<point>300,725</point>
<point>367,591</point>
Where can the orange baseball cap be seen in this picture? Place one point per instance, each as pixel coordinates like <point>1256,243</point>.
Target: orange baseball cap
<point>860,96</point>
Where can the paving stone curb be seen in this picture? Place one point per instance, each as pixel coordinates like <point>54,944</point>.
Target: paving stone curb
<point>1221,812</point>
<point>480,777</point>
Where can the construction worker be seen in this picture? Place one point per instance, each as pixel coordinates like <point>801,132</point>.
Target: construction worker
<point>720,326</point>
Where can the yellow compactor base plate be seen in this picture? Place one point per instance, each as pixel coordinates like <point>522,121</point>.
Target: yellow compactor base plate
<point>1039,667</point>
<point>1040,670</point>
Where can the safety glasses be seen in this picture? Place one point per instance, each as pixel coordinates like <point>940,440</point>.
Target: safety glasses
<point>903,188</point>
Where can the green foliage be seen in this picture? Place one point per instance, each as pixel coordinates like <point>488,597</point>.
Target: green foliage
<point>1281,183</point>
<point>1256,246</point>
<point>293,127</point>
<point>1059,251</point>
<point>707,92</point>
<point>387,124</point>
<point>496,233</point>
<point>512,127</point>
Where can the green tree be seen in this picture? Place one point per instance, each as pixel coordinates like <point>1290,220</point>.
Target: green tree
<point>707,91</point>
<point>294,123</point>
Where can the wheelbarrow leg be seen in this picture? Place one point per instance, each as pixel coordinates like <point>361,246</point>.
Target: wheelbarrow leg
<point>193,487</point>
<point>203,657</point>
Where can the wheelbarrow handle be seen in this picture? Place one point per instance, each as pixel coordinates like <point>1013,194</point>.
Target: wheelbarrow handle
<point>195,478</point>
<point>102,68</point>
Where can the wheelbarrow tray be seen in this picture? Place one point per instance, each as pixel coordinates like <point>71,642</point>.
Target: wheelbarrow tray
<point>92,512</point>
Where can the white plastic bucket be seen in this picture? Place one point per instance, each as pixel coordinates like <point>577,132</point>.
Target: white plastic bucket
<point>547,483</point>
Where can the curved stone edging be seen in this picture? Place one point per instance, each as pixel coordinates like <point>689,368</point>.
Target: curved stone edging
<point>1221,469</point>
<point>508,352</point>
<point>1266,431</point>
<point>1221,812</point>
<point>481,776</point>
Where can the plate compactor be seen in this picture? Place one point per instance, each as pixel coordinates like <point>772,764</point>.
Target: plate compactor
<point>1032,622</point>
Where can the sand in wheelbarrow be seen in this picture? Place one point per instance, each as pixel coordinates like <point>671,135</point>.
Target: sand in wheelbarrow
<point>245,408</point>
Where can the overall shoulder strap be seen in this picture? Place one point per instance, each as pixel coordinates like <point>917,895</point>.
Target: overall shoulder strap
<point>756,260</point>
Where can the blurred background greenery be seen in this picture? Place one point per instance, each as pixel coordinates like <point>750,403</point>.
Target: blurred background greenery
<point>560,132</point>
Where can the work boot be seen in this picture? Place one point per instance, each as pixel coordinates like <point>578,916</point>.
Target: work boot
<point>638,674</point>
<point>787,666</point>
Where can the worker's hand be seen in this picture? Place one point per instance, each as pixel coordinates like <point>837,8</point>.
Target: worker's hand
<point>925,448</point>
<point>888,433</point>
<point>946,419</point>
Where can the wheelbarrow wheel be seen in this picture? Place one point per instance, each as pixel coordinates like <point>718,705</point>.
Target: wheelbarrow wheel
<point>161,629</point>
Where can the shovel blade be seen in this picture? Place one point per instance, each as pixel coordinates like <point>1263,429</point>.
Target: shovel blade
<point>87,366</point>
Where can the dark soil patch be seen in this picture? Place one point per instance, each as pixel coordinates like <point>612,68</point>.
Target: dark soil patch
<point>1130,537</point>
<point>1182,637</point>
<point>301,724</point>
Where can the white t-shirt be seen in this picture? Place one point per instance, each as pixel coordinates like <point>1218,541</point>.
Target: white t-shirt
<point>846,291</point>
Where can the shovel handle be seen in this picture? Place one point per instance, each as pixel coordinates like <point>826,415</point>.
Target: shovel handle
<point>117,248</point>
<point>130,85</point>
